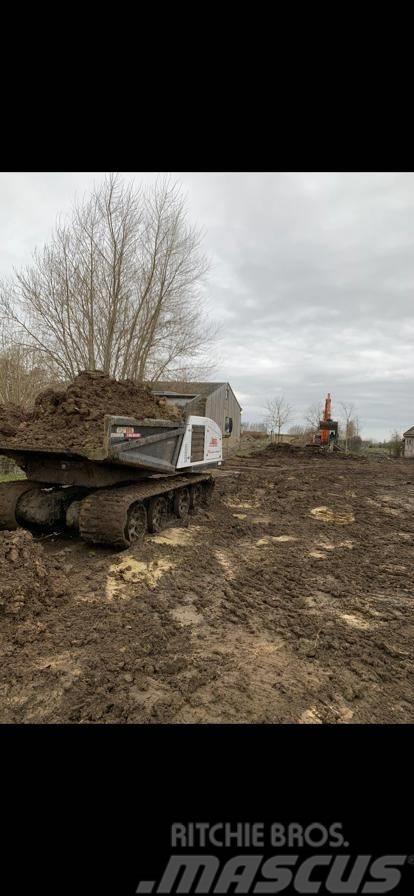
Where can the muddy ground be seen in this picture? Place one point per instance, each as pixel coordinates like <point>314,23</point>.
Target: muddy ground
<point>289,600</point>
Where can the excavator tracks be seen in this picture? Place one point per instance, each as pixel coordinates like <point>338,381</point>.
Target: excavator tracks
<point>10,492</point>
<point>103,515</point>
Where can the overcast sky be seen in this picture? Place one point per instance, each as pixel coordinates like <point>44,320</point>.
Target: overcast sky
<point>312,281</point>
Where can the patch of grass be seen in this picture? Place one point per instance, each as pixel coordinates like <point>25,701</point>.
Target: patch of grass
<point>370,451</point>
<point>252,446</point>
<point>8,477</point>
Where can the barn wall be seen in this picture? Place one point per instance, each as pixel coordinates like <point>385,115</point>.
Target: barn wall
<point>409,446</point>
<point>218,407</point>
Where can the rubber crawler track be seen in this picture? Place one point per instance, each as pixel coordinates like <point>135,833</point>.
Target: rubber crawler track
<point>103,514</point>
<point>10,492</point>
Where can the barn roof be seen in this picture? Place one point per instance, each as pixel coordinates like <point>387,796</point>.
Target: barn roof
<point>177,388</point>
<point>410,432</point>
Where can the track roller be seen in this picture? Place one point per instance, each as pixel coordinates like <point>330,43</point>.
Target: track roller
<point>196,495</point>
<point>105,517</point>
<point>181,502</point>
<point>207,492</point>
<point>157,514</point>
<point>137,522</point>
<point>120,516</point>
<point>10,494</point>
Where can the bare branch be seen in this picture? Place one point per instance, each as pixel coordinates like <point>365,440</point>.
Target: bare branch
<point>117,287</point>
<point>279,412</point>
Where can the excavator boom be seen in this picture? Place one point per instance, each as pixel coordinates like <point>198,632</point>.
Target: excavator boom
<point>328,406</point>
<point>327,435</point>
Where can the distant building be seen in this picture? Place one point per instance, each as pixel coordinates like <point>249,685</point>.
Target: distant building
<point>214,400</point>
<point>408,438</point>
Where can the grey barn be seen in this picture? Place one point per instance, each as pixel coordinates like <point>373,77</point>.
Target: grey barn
<point>214,400</point>
<point>409,442</point>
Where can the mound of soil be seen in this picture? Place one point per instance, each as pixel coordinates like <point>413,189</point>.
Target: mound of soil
<point>252,435</point>
<point>304,451</point>
<point>10,418</point>
<point>29,581</point>
<point>72,418</point>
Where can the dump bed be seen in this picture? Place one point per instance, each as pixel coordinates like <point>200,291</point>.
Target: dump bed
<point>147,444</point>
<point>150,444</point>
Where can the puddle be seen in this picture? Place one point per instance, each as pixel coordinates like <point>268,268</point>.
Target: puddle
<point>330,516</point>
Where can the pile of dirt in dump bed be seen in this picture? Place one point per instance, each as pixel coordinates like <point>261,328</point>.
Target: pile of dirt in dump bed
<point>29,581</point>
<point>73,418</point>
<point>10,418</point>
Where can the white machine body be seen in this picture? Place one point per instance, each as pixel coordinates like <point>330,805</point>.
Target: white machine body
<point>201,445</point>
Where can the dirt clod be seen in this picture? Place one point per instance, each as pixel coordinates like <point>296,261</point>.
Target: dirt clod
<point>11,416</point>
<point>30,582</point>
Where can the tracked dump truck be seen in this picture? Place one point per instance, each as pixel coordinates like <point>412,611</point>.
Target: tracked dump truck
<point>146,473</point>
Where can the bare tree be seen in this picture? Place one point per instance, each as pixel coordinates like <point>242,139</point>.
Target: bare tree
<point>300,434</point>
<point>117,288</point>
<point>22,376</point>
<point>313,416</point>
<point>396,444</point>
<point>279,412</point>
<point>349,426</point>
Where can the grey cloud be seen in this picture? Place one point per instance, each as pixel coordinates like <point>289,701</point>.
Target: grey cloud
<point>312,280</point>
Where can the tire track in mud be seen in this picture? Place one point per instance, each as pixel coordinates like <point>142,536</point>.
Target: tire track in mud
<point>259,611</point>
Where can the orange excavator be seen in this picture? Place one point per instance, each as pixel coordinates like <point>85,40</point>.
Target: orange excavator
<point>327,436</point>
